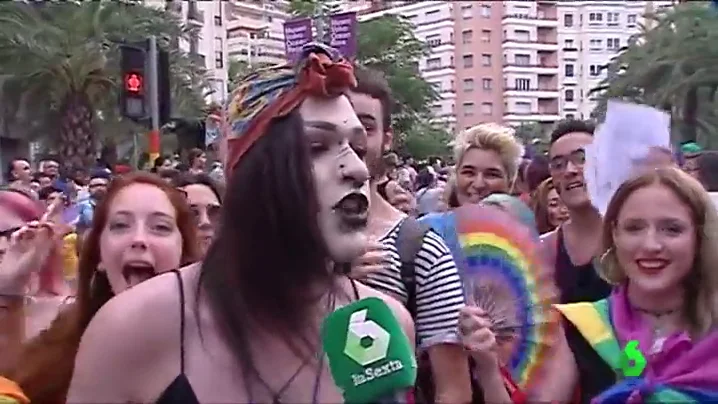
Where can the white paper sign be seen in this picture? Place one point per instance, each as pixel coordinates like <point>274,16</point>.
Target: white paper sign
<point>620,146</point>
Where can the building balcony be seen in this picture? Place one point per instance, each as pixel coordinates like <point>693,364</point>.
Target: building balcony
<point>547,116</point>
<point>570,53</point>
<point>438,47</point>
<point>570,79</point>
<point>530,20</point>
<point>544,68</point>
<point>539,44</point>
<point>433,69</point>
<point>531,92</point>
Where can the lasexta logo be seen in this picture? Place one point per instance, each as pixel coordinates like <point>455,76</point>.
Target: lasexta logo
<point>367,342</point>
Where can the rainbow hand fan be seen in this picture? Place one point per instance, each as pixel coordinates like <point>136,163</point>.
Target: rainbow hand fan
<point>505,274</point>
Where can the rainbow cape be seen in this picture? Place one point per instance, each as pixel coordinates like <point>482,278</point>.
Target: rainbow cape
<point>682,372</point>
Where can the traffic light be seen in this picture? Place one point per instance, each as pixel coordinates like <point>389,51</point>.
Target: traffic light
<point>133,97</point>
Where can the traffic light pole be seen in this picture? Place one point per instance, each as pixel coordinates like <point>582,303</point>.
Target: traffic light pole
<point>154,138</point>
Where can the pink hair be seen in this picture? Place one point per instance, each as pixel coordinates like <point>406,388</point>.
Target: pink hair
<point>21,204</point>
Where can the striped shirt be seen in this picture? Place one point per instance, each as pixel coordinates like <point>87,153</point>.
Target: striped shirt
<point>439,291</point>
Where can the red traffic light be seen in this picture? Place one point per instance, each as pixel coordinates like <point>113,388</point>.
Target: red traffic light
<point>134,83</point>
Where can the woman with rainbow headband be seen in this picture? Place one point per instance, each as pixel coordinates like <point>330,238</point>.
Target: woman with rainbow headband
<point>661,238</point>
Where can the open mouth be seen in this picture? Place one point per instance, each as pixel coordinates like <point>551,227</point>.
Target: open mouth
<point>137,272</point>
<point>574,185</point>
<point>353,210</point>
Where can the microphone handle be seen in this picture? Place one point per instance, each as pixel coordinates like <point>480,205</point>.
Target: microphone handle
<point>397,397</point>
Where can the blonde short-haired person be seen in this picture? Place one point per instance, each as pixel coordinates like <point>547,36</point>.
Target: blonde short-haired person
<point>661,243</point>
<point>487,159</point>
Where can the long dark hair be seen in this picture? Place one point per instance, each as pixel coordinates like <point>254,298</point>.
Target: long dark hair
<point>263,270</point>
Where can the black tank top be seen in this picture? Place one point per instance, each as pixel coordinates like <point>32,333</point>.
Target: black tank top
<point>577,283</point>
<point>594,374</point>
<point>180,391</point>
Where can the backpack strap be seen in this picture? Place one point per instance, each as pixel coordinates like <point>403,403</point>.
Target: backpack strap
<point>409,239</point>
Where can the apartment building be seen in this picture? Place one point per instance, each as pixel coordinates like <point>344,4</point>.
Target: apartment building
<point>464,61</point>
<point>255,31</point>
<point>590,34</point>
<point>530,62</point>
<point>208,46</point>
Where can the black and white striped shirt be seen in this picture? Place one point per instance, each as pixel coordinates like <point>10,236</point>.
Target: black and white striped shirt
<point>439,291</point>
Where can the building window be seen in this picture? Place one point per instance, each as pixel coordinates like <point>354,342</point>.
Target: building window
<point>466,11</point>
<point>522,84</point>
<point>568,70</point>
<point>595,44</point>
<point>468,85</point>
<point>522,60</point>
<point>594,70</point>
<point>568,44</point>
<point>522,35</point>
<point>570,116</point>
<point>218,59</point>
<point>468,109</point>
<point>486,59</point>
<point>466,36</point>
<point>486,10</point>
<point>436,85</point>
<point>433,40</point>
<point>433,63</point>
<point>613,43</point>
<point>568,20</point>
<point>468,60</point>
<point>632,18</point>
<point>612,18</point>
<point>217,43</point>
<point>431,15</point>
<point>523,107</point>
<point>568,95</point>
<point>595,17</point>
<point>487,108</point>
<point>486,35</point>
<point>487,84</point>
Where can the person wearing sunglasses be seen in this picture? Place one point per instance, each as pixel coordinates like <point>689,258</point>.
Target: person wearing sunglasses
<point>205,199</point>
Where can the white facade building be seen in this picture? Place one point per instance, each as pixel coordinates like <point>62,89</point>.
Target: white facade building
<point>434,24</point>
<point>590,34</point>
<point>255,31</point>
<point>209,47</point>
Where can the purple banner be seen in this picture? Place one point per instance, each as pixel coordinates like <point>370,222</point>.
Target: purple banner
<point>343,33</point>
<point>297,33</point>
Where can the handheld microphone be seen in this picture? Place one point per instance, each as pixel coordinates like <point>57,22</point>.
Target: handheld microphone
<point>369,355</point>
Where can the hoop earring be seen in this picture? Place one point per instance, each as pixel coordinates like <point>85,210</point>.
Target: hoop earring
<point>603,260</point>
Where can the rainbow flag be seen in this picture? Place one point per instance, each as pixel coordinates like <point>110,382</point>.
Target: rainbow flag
<point>691,377</point>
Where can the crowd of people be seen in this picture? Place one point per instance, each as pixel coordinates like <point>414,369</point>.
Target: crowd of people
<point>209,284</point>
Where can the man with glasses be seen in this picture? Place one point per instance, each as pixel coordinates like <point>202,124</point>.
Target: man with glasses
<point>574,246</point>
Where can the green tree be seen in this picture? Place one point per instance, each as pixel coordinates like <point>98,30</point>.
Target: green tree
<point>673,66</point>
<point>59,61</point>
<point>388,44</point>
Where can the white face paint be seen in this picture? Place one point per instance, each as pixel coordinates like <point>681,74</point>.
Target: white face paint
<point>338,144</point>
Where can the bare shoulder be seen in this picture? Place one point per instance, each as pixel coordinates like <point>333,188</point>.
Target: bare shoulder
<point>401,313</point>
<point>138,325</point>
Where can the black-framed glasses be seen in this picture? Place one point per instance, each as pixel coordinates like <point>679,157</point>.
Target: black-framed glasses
<point>576,157</point>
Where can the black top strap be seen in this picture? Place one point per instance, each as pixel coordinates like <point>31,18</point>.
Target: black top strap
<point>354,288</point>
<point>182,319</point>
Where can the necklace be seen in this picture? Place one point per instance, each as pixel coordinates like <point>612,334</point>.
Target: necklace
<point>277,395</point>
<point>658,336</point>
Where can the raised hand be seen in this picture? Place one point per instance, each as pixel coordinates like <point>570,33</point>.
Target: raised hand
<point>27,251</point>
<point>477,337</point>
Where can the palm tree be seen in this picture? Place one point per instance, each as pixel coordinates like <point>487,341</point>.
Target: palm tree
<point>672,66</point>
<point>60,69</point>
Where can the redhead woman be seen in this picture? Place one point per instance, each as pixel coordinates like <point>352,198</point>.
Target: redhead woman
<point>243,326</point>
<point>130,241</point>
<point>661,239</point>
